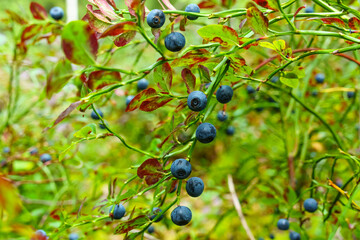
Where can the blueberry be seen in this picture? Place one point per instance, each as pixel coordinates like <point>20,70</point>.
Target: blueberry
<point>155,211</point>
<point>194,186</point>
<point>309,9</point>
<point>94,116</point>
<point>6,150</point>
<point>102,126</point>
<point>119,211</point>
<point>224,94</point>
<point>271,236</point>
<point>73,236</point>
<point>129,99</point>
<point>350,94</point>
<point>310,205</point>
<point>294,236</point>
<point>197,101</point>
<point>192,8</point>
<point>339,183</point>
<point>181,168</point>
<point>230,131</point>
<point>274,79</point>
<point>151,229</point>
<point>40,235</point>
<point>222,116</point>
<point>250,89</point>
<point>45,157</point>
<point>175,41</point>
<point>156,18</point>
<point>205,133</point>
<point>320,78</point>
<point>314,93</point>
<point>34,151</point>
<point>283,224</point>
<point>142,84</point>
<point>181,215</point>
<point>57,13</point>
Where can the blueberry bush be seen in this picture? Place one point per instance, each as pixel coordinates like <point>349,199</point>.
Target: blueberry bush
<point>184,120</point>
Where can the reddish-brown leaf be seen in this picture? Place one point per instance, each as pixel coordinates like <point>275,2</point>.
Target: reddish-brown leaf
<point>151,170</point>
<point>189,79</point>
<point>16,17</point>
<point>97,13</point>
<point>124,38</point>
<point>106,9</point>
<point>205,73</point>
<point>100,79</point>
<point>334,21</point>
<point>30,31</point>
<point>38,11</point>
<point>129,225</point>
<point>163,76</point>
<point>354,23</point>
<point>257,20</point>
<point>192,58</point>
<point>119,28</point>
<point>112,3</point>
<point>154,103</point>
<point>133,5</point>
<point>139,98</point>
<point>206,4</point>
<point>269,4</point>
<point>97,25</point>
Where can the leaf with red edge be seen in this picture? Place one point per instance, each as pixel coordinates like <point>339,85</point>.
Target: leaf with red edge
<point>258,21</point>
<point>100,79</point>
<point>206,4</point>
<point>205,74</point>
<point>236,62</point>
<point>168,4</point>
<point>154,103</point>
<point>151,170</point>
<point>222,34</point>
<point>79,43</point>
<point>269,4</point>
<point>129,225</point>
<point>54,215</point>
<point>58,78</point>
<point>192,58</point>
<point>133,5</point>
<point>106,9</point>
<point>119,28</point>
<point>124,38</point>
<point>112,3</point>
<point>97,14</point>
<point>16,17</point>
<point>163,76</point>
<point>139,98</point>
<point>334,21</point>
<point>354,23</point>
<point>94,22</point>
<point>30,32</point>
<point>38,11</point>
<point>189,79</point>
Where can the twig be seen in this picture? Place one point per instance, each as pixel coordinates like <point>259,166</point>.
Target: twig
<point>238,208</point>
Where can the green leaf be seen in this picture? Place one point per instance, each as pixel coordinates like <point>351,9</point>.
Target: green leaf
<point>267,45</point>
<point>224,35</point>
<point>84,132</point>
<point>79,43</point>
<point>258,21</point>
<point>58,78</point>
<point>290,79</point>
<point>279,45</point>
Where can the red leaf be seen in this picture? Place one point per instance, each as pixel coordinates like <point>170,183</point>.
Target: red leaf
<point>192,58</point>
<point>189,79</point>
<point>95,23</point>
<point>206,4</point>
<point>124,38</point>
<point>30,31</point>
<point>106,9</point>
<point>16,17</point>
<point>334,21</point>
<point>129,225</point>
<point>205,72</point>
<point>38,11</point>
<point>112,3</point>
<point>54,215</point>
<point>154,103</point>
<point>354,23</point>
<point>97,13</point>
<point>137,100</point>
<point>269,4</point>
<point>133,5</point>
<point>100,79</point>
<point>119,28</point>
<point>151,169</point>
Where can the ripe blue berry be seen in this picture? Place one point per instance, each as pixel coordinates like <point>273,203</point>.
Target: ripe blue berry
<point>181,215</point>
<point>197,101</point>
<point>309,9</point>
<point>40,235</point>
<point>181,168</point>
<point>339,183</point>
<point>283,224</point>
<point>175,41</point>
<point>224,94</point>
<point>205,133</point>
<point>57,13</point>
<point>350,94</point>
<point>156,18</point>
<point>314,93</point>
<point>310,205</point>
<point>320,78</point>
<point>194,186</point>
<point>294,236</point>
<point>222,116</point>
<point>119,211</point>
<point>94,116</point>
<point>151,229</point>
<point>129,99</point>
<point>73,236</point>
<point>192,8</point>
<point>274,79</point>
<point>271,236</point>
<point>230,131</point>
<point>155,212</point>
<point>142,84</point>
<point>6,150</point>
<point>250,89</point>
<point>34,151</point>
<point>45,157</point>
<point>102,126</point>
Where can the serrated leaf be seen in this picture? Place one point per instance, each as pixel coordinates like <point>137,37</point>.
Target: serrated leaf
<point>222,34</point>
